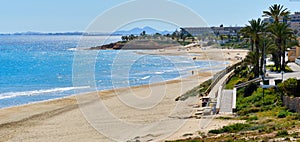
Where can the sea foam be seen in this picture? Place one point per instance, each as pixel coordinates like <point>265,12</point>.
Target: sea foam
<point>39,92</point>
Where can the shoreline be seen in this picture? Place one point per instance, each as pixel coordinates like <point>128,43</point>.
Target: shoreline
<point>60,119</point>
<point>186,75</point>
<point>24,114</point>
<point>74,95</point>
<point>169,52</point>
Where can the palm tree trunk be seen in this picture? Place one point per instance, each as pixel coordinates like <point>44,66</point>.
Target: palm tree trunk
<point>252,44</point>
<point>261,62</point>
<point>278,44</point>
<point>276,60</point>
<point>283,61</point>
<point>283,57</point>
<point>256,68</point>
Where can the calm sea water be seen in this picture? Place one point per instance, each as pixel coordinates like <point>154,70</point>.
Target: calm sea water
<point>38,68</point>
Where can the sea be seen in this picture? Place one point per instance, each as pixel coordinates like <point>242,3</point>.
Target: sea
<point>36,68</point>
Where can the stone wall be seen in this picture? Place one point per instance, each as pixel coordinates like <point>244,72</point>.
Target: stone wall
<point>292,104</point>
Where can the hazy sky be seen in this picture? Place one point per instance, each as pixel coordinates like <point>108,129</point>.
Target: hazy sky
<point>77,15</point>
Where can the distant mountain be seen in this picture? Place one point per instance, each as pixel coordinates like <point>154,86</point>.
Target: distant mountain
<point>62,33</point>
<point>137,31</point>
<point>134,31</point>
<point>40,33</point>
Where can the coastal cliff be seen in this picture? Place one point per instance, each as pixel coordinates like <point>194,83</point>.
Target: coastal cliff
<point>114,46</point>
<point>137,45</point>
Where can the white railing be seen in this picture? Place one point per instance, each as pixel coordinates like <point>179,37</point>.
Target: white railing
<point>297,61</point>
<point>234,99</point>
<point>219,98</point>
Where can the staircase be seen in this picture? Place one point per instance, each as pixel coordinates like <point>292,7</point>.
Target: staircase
<point>226,102</point>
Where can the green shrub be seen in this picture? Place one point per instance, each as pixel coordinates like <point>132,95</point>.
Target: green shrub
<point>187,134</point>
<point>283,114</point>
<point>289,87</point>
<point>295,134</point>
<point>256,127</point>
<point>216,131</point>
<point>224,118</point>
<point>250,89</point>
<point>250,110</point>
<point>273,68</point>
<point>231,128</point>
<point>235,127</point>
<point>200,89</point>
<point>296,116</point>
<point>282,133</point>
<point>268,107</point>
<point>252,118</point>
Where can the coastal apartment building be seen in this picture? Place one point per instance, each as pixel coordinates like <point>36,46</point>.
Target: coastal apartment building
<point>196,31</point>
<point>295,22</point>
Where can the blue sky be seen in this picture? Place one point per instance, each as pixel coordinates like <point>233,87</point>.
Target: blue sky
<point>77,15</point>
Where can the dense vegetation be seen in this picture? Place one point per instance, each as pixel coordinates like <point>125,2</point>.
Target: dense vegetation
<point>200,89</point>
<point>265,117</point>
<point>272,38</point>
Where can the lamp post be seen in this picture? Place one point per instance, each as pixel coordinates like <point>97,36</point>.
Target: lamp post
<point>264,66</point>
<point>265,61</point>
<point>282,72</point>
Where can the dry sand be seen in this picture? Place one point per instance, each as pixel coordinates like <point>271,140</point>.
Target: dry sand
<point>146,113</point>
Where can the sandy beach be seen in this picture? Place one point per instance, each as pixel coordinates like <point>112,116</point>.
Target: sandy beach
<point>145,113</point>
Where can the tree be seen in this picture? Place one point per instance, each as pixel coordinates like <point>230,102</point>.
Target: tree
<point>175,35</point>
<point>277,12</point>
<point>296,31</point>
<point>143,33</point>
<point>274,51</point>
<point>250,58</point>
<point>281,33</point>
<point>246,32</point>
<point>254,31</point>
<point>124,38</point>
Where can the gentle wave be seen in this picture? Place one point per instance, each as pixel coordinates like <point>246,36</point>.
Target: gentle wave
<point>72,49</point>
<point>159,72</point>
<point>38,92</point>
<point>146,77</point>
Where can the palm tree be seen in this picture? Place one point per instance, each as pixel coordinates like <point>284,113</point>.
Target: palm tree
<point>277,12</point>
<point>246,32</point>
<point>254,31</point>
<point>272,49</point>
<point>281,33</point>
<point>250,58</point>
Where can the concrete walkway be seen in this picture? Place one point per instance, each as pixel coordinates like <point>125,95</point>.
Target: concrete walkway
<point>226,102</point>
<point>296,74</point>
<point>214,91</point>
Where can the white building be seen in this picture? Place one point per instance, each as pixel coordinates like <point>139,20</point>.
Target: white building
<point>295,21</point>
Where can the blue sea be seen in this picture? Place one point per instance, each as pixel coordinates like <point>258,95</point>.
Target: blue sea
<point>36,68</point>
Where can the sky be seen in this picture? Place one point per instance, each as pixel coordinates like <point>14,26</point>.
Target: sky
<point>79,15</point>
